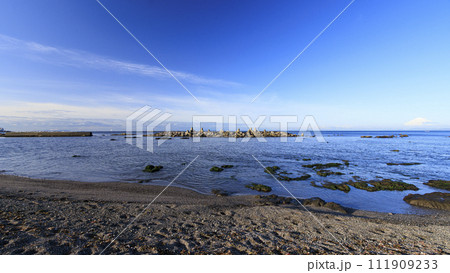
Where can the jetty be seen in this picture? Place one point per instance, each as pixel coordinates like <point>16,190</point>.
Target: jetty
<point>46,134</point>
<point>234,134</point>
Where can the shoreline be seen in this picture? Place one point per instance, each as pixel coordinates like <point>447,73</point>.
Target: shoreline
<point>68,217</point>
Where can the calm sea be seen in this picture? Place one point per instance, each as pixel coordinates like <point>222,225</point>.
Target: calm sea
<point>103,160</point>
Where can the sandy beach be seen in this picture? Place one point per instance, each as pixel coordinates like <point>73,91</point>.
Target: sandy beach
<point>68,217</point>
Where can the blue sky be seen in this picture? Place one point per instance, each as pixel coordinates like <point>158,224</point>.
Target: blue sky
<point>70,65</point>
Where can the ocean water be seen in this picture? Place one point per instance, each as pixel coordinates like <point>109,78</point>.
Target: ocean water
<point>103,160</point>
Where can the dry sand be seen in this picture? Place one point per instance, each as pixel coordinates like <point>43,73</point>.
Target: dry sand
<point>67,217</point>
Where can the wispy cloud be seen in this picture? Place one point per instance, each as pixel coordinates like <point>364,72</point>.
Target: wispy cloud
<point>61,111</point>
<point>82,59</point>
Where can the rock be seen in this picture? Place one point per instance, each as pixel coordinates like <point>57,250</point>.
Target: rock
<point>366,136</point>
<point>434,200</point>
<point>403,135</point>
<point>323,166</point>
<point>440,184</point>
<point>314,201</point>
<point>152,169</point>
<point>395,151</point>
<point>271,170</point>
<point>306,159</point>
<point>273,200</point>
<point>286,178</point>
<point>113,139</point>
<point>259,187</point>
<point>335,207</point>
<point>76,156</point>
<point>385,136</point>
<point>226,166</point>
<point>326,173</point>
<point>382,185</point>
<point>332,186</point>
<point>216,169</point>
<point>219,192</point>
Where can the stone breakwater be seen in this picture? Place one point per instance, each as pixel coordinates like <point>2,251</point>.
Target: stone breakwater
<point>237,134</point>
<point>46,134</point>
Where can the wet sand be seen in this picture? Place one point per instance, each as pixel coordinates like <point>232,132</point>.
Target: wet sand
<point>68,217</point>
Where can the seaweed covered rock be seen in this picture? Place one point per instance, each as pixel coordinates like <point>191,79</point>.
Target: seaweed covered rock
<point>272,199</point>
<point>434,200</point>
<point>271,170</point>
<point>383,185</point>
<point>216,169</point>
<point>332,186</point>
<point>440,184</point>
<point>319,166</point>
<point>326,173</point>
<point>385,136</point>
<point>259,187</point>
<point>152,168</point>
<point>287,178</point>
<point>219,192</point>
<point>226,166</point>
<point>314,201</point>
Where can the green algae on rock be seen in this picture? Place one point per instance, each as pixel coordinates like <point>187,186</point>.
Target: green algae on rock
<point>326,173</point>
<point>286,178</point>
<point>383,185</point>
<point>259,187</point>
<point>152,169</point>
<point>332,186</point>
<point>219,192</point>
<point>403,164</point>
<point>271,170</point>
<point>216,169</point>
<point>440,184</point>
<point>322,166</point>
